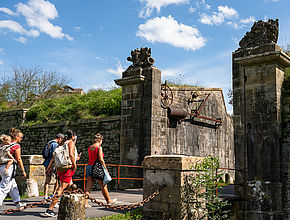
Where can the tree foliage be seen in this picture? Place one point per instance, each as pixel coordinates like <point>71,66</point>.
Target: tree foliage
<point>22,85</point>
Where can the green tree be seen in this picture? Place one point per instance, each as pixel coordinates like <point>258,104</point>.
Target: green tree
<point>23,84</point>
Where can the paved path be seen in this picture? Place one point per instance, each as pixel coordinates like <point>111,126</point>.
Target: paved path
<point>131,196</point>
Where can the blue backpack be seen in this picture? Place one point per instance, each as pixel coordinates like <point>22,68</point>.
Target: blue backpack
<point>46,151</point>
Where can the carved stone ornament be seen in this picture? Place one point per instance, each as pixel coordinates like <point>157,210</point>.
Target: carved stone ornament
<point>262,32</point>
<point>141,58</point>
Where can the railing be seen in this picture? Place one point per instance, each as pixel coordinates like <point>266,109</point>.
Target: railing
<point>118,178</point>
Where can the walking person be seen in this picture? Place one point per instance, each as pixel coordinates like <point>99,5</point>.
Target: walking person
<point>8,183</point>
<point>50,148</point>
<point>65,175</point>
<point>96,153</point>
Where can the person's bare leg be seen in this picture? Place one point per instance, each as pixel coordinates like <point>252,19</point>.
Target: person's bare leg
<point>9,163</point>
<point>105,191</point>
<point>47,181</point>
<point>59,191</point>
<point>56,185</point>
<point>90,182</point>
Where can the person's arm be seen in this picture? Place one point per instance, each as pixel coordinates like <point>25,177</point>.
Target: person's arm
<point>71,147</point>
<point>101,158</point>
<point>10,155</point>
<point>19,161</point>
<point>79,156</point>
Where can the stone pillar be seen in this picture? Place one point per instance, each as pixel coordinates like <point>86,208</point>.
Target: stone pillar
<point>35,173</point>
<point>258,74</point>
<point>72,207</point>
<point>166,172</point>
<point>141,91</point>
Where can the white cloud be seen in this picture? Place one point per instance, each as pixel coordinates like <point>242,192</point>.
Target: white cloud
<point>249,20</point>
<point>104,86</point>
<point>16,27</point>
<point>1,62</point>
<point>21,39</point>
<point>157,4</point>
<point>12,25</point>
<point>207,6</point>
<point>271,1</point>
<point>235,40</point>
<point>168,30</point>
<point>118,71</point>
<point>170,72</point>
<point>203,4</point>
<point>243,23</point>
<point>77,28</point>
<point>224,12</point>
<point>38,13</point>
<point>7,11</point>
<point>234,25</point>
<point>191,9</point>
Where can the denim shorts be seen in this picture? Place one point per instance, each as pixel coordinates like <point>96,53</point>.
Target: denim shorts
<point>89,170</point>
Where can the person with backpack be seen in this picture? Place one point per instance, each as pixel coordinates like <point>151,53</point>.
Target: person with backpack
<point>8,183</point>
<point>64,158</point>
<point>47,154</point>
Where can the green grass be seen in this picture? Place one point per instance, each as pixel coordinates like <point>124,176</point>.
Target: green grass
<point>25,196</point>
<point>96,103</point>
<point>132,215</point>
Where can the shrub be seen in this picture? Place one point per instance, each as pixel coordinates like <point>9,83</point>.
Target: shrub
<point>93,104</point>
<point>199,192</point>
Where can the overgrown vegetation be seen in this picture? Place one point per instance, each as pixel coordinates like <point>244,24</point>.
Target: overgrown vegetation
<point>199,192</point>
<point>93,104</point>
<point>132,215</point>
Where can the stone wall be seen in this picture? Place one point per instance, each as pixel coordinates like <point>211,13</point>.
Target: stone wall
<point>11,119</point>
<point>36,136</point>
<point>197,136</point>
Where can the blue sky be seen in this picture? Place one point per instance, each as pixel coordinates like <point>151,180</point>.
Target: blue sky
<point>89,40</point>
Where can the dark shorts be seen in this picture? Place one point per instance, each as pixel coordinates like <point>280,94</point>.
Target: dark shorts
<point>89,170</point>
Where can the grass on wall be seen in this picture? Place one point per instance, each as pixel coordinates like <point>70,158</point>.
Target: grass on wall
<point>95,103</point>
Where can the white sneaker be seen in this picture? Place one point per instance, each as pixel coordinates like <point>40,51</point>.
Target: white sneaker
<point>88,206</point>
<point>20,206</point>
<point>113,201</point>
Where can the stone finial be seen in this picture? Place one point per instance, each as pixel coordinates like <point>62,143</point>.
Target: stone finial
<point>141,58</point>
<point>262,32</point>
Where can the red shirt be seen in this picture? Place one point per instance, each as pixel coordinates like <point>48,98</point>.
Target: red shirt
<point>14,148</point>
<point>93,155</point>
